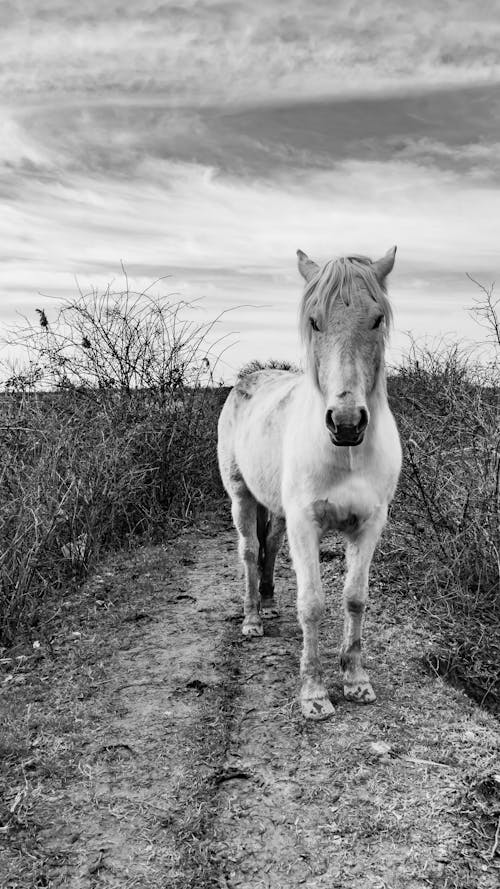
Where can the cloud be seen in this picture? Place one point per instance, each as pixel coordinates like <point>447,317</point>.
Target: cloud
<point>211,139</point>
<point>233,241</point>
<point>453,130</point>
<point>205,52</point>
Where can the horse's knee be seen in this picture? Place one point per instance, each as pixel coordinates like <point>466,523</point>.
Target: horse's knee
<point>355,596</point>
<point>310,609</point>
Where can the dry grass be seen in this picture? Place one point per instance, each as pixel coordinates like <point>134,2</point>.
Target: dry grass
<point>107,436</point>
<point>80,476</point>
<point>444,532</point>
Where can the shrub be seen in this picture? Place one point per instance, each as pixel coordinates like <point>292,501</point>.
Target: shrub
<point>100,444</point>
<point>108,434</point>
<point>446,517</point>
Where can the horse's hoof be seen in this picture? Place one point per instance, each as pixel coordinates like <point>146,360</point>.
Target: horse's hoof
<point>252,627</point>
<point>359,692</point>
<point>317,708</point>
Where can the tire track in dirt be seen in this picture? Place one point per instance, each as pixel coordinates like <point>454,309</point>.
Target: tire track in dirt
<point>180,757</point>
<point>367,799</point>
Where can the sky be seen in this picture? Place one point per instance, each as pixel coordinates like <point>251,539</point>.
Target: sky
<point>205,142</point>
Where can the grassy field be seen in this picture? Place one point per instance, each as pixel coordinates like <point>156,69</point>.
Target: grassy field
<point>107,438</point>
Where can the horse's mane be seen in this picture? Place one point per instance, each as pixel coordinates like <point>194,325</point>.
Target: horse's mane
<point>272,364</point>
<point>341,277</point>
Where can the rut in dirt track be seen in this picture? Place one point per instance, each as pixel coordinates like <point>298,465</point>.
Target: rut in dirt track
<point>180,757</point>
<point>362,800</point>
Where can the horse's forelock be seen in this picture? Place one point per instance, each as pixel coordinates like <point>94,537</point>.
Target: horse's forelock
<point>340,277</point>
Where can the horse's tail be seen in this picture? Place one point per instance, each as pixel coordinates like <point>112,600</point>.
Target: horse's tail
<point>262,527</point>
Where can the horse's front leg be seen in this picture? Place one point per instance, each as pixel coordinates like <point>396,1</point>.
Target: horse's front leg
<point>303,537</point>
<point>359,553</point>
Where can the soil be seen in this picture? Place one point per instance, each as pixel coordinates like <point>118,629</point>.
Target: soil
<point>146,743</point>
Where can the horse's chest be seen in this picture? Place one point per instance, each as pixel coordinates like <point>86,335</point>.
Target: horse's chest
<point>347,505</point>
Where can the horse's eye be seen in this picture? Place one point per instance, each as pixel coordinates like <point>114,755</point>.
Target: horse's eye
<point>378,322</point>
<point>313,324</point>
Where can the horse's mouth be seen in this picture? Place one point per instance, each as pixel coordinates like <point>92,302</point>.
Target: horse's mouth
<point>347,442</point>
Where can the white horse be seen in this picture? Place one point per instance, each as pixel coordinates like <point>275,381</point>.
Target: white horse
<point>317,451</point>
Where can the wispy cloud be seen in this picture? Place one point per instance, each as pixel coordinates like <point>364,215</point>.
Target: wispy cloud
<point>233,240</point>
<point>205,52</point>
<point>456,129</point>
<point>208,140</point>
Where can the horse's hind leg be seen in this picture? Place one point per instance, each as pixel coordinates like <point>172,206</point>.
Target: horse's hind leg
<point>359,552</point>
<point>244,511</point>
<point>271,531</point>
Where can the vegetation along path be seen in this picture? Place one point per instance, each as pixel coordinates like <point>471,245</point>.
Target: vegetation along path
<point>147,744</point>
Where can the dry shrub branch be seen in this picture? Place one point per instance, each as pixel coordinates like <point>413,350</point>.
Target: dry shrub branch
<point>107,435</point>
<point>446,519</point>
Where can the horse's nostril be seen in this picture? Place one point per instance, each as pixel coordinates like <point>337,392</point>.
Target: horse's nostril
<point>363,420</point>
<point>330,422</point>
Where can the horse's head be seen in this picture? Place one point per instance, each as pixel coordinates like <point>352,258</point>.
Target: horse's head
<point>345,315</point>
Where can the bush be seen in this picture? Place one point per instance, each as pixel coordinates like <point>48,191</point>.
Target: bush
<point>446,517</point>
<point>100,444</point>
<point>108,434</point>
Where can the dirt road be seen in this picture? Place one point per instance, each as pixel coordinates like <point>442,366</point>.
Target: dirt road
<point>147,744</point>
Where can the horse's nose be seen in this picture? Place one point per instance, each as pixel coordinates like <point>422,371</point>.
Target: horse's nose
<point>347,426</point>
<point>363,419</point>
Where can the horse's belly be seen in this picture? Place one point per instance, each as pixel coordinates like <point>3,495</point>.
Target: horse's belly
<point>259,462</point>
<point>252,431</point>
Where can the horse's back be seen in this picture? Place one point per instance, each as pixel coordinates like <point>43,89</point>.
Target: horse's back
<point>251,430</point>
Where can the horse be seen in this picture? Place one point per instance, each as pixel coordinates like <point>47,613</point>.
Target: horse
<point>315,451</point>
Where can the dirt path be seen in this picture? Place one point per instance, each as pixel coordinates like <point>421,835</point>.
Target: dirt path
<point>147,744</point>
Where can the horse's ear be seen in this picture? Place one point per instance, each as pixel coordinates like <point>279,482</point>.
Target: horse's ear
<point>383,266</point>
<point>307,268</point>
